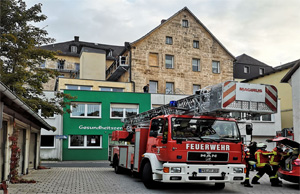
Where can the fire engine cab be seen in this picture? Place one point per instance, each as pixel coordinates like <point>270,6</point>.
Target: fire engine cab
<point>193,139</point>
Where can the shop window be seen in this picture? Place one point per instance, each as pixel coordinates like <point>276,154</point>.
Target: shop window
<point>123,110</point>
<point>85,141</point>
<point>86,110</point>
<point>47,141</point>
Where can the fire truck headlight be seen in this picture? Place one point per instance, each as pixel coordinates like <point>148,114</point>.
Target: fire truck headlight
<point>238,170</point>
<point>175,170</point>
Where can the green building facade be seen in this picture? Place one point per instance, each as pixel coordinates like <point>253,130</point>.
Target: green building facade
<point>95,115</point>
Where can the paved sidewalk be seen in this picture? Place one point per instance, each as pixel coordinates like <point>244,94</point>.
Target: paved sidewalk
<point>104,180</point>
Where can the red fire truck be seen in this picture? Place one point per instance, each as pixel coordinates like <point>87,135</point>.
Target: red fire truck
<point>192,139</point>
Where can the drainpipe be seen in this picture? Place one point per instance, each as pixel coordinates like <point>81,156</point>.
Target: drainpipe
<point>130,72</point>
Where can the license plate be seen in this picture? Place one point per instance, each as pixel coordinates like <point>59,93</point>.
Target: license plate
<point>208,170</point>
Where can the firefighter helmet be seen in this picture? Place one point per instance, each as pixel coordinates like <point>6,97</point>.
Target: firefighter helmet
<point>261,145</point>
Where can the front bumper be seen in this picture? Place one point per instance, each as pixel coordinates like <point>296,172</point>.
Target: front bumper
<point>191,173</point>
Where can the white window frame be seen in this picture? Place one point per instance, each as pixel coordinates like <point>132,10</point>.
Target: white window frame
<point>49,147</point>
<point>110,89</point>
<point>198,65</point>
<point>74,49</point>
<point>246,69</point>
<point>155,83</point>
<point>124,107</point>
<point>85,110</point>
<point>172,62</point>
<point>79,87</point>
<point>169,40</point>
<point>263,71</point>
<point>218,66</point>
<point>85,143</point>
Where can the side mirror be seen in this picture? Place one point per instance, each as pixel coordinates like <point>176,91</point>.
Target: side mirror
<point>249,129</point>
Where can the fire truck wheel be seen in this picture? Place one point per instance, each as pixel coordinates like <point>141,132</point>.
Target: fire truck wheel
<point>147,177</point>
<point>219,185</point>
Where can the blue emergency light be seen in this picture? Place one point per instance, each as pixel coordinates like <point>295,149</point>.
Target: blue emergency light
<point>173,103</point>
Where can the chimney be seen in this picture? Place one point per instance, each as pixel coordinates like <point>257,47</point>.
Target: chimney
<point>162,21</point>
<point>76,38</point>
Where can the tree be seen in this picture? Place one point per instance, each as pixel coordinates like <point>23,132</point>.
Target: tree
<point>21,56</point>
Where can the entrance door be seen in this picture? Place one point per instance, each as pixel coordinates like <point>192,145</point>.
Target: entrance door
<point>3,135</point>
<point>32,151</point>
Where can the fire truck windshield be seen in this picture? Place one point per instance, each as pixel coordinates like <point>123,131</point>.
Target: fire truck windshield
<point>204,129</point>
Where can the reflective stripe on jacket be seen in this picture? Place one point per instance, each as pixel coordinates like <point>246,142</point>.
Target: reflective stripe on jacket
<point>262,158</point>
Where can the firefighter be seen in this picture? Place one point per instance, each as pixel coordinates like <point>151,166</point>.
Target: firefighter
<point>275,161</point>
<point>262,166</point>
<point>250,161</point>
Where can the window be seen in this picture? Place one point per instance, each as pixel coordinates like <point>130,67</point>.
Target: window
<point>85,141</point>
<point>196,44</point>
<point>77,66</point>
<point>123,110</point>
<point>75,87</point>
<point>90,110</point>
<point>153,59</point>
<point>263,118</point>
<point>185,23</point>
<point>43,64</point>
<point>169,61</point>
<point>216,66</point>
<point>196,64</point>
<point>110,53</point>
<point>107,89</point>
<point>60,64</point>
<point>246,69</point>
<point>261,71</point>
<point>196,88</point>
<point>73,49</point>
<point>152,86</point>
<point>169,40</point>
<point>47,141</point>
<point>169,88</point>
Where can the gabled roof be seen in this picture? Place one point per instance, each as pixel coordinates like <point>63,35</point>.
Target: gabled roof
<point>247,60</point>
<point>184,9</point>
<point>276,69</point>
<point>288,76</point>
<point>15,103</point>
<point>64,48</point>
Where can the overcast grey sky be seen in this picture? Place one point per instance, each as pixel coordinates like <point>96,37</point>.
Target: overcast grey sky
<point>268,30</point>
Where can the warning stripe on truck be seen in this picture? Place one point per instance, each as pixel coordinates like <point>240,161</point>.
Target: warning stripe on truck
<point>271,97</point>
<point>229,93</point>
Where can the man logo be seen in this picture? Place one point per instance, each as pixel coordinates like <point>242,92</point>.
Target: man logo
<point>208,156</point>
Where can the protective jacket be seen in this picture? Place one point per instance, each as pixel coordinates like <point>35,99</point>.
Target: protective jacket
<point>276,157</point>
<point>262,158</point>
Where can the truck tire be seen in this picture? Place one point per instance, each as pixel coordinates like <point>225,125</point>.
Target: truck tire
<point>147,177</point>
<point>219,186</point>
<point>117,168</point>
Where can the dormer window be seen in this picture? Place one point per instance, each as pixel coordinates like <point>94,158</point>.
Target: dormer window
<point>110,53</point>
<point>73,49</point>
<point>185,23</point>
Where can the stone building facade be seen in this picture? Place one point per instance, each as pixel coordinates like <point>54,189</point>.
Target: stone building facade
<point>178,55</point>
